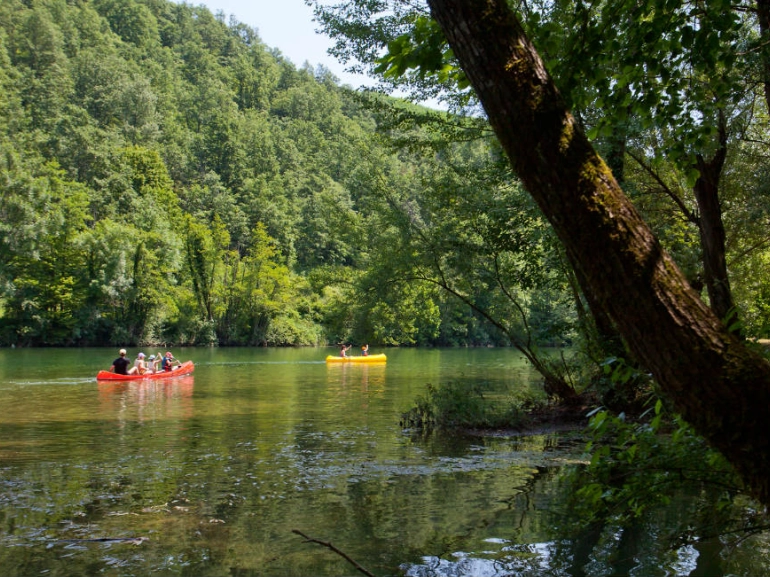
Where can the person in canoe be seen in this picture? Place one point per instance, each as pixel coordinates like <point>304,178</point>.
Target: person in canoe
<point>153,363</point>
<point>120,365</point>
<point>365,350</point>
<point>169,362</point>
<point>140,366</point>
<point>344,350</point>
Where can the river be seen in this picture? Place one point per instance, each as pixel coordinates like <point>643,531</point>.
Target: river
<point>217,472</point>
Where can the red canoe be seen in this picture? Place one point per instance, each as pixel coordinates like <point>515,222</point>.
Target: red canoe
<point>184,369</point>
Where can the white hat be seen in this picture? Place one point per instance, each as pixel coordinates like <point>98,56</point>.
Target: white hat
<point>122,351</point>
<point>152,357</point>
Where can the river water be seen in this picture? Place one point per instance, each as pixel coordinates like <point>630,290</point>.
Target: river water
<point>223,472</point>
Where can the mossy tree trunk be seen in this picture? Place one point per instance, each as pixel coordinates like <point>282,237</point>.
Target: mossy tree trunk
<point>719,385</point>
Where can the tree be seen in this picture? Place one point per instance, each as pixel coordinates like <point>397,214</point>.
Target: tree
<point>132,21</point>
<point>464,224</point>
<point>683,98</point>
<point>42,215</point>
<point>204,252</point>
<point>763,17</point>
<point>717,383</point>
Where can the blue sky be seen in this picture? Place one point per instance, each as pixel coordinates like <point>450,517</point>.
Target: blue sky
<point>288,26</point>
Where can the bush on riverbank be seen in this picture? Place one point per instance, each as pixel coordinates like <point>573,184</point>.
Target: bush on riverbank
<point>457,405</point>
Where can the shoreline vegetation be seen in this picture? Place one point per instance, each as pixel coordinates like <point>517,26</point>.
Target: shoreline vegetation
<point>462,408</point>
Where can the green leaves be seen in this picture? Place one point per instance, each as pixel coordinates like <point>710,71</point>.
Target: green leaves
<point>399,44</point>
<point>635,466</point>
<point>668,65</point>
<point>618,370</point>
<point>43,216</point>
<point>423,48</point>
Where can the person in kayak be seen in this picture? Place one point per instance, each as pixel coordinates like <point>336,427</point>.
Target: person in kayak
<point>120,365</point>
<point>344,349</point>
<point>140,367</point>
<point>365,350</point>
<point>152,363</point>
<point>169,362</point>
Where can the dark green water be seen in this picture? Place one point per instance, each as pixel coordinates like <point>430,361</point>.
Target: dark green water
<point>210,474</point>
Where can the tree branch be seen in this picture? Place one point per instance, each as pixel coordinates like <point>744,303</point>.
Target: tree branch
<point>337,551</point>
<point>690,215</point>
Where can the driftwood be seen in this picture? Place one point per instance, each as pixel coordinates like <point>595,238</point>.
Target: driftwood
<point>127,540</point>
<point>337,551</point>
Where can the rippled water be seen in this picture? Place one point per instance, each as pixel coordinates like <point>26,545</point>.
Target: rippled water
<point>211,474</point>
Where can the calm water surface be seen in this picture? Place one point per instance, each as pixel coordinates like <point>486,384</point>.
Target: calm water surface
<point>210,474</point>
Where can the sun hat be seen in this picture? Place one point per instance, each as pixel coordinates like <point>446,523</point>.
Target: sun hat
<point>122,351</point>
<point>152,357</point>
<point>140,355</point>
<point>168,354</point>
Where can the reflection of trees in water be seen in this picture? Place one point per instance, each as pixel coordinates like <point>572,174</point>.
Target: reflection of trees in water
<point>149,399</point>
<point>369,378</point>
<point>534,537</point>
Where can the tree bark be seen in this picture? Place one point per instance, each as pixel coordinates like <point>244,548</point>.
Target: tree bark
<point>712,230</point>
<point>763,15</point>
<point>718,385</point>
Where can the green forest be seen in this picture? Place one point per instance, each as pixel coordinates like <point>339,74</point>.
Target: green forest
<point>168,178</point>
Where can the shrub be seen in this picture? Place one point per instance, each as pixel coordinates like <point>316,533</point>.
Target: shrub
<point>462,405</point>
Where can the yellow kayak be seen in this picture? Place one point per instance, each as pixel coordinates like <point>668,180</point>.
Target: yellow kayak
<point>381,358</point>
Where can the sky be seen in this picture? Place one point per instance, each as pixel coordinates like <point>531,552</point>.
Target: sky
<point>288,26</point>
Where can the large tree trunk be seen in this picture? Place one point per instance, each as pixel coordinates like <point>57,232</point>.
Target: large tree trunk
<point>717,384</point>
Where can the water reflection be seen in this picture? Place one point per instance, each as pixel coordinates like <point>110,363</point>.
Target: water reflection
<point>215,470</point>
<point>147,399</point>
<point>367,379</point>
<point>503,558</point>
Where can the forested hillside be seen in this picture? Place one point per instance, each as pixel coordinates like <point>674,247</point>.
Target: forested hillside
<point>166,177</point>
